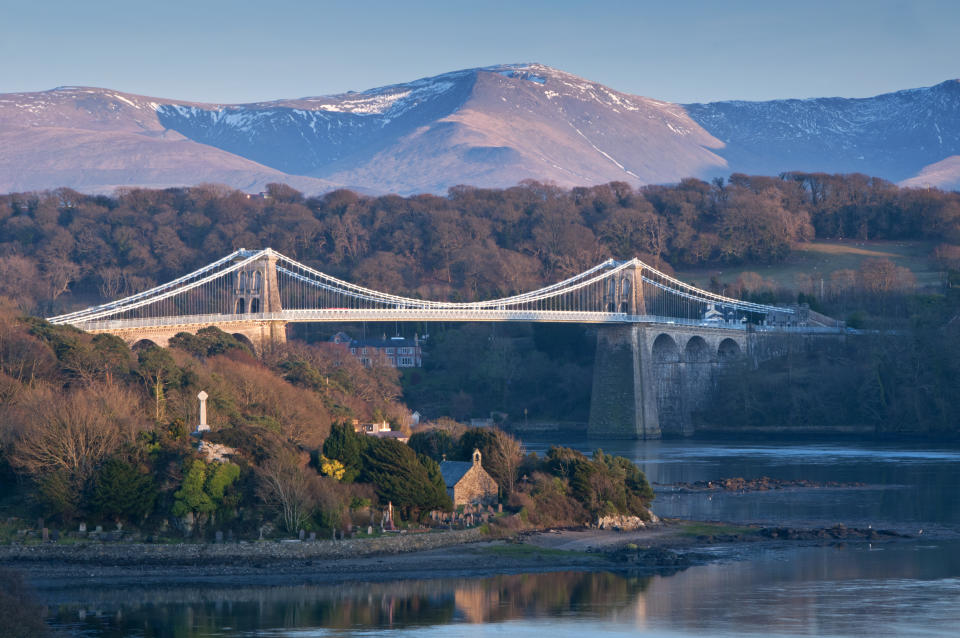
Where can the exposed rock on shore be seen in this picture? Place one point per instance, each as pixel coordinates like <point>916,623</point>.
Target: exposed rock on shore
<point>625,523</point>
<point>762,484</point>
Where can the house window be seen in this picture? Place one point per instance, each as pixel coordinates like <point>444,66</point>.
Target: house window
<point>406,362</point>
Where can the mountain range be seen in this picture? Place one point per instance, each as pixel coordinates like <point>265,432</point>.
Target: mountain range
<point>487,127</point>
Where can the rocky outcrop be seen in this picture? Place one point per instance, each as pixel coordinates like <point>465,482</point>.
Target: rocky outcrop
<point>623,523</point>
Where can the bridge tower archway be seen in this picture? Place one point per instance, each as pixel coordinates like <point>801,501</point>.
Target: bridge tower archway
<point>257,289</point>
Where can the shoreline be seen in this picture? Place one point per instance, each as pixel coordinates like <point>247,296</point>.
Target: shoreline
<point>666,548</point>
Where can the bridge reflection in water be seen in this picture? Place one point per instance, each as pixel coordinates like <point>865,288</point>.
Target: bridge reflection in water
<point>654,319</point>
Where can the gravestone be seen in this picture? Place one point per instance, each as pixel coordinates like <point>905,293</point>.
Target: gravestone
<point>313,536</point>
<point>45,534</point>
<point>99,529</point>
<point>302,535</point>
<point>83,528</point>
<point>370,530</point>
<point>218,537</point>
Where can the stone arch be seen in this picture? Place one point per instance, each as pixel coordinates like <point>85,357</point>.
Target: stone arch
<point>245,340</point>
<point>242,281</point>
<point>697,351</point>
<point>140,344</point>
<point>665,349</point>
<point>256,281</point>
<point>728,350</point>
<point>255,304</point>
<point>611,295</point>
<point>240,307</point>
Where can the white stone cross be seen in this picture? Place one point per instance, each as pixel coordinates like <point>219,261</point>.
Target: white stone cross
<point>203,412</point>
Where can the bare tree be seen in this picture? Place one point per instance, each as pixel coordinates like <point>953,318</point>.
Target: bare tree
<point>505,454</point>
<point>285,484</point>
<point>73,433</point>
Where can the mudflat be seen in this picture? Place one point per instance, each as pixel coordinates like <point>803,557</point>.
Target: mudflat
<point>667,547</point>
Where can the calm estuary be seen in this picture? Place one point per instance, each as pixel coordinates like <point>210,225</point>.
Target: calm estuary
<point>904,588</point>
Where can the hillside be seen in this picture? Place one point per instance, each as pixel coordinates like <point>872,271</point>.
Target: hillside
<point>489,127</point>
<point>96,140</point>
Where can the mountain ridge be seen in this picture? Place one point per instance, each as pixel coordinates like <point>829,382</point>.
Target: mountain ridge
<point>488,126</point>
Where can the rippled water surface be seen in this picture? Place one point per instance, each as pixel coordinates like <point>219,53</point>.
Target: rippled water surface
<point>907,588</point>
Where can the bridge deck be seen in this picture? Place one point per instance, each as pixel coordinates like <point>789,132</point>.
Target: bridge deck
<point>345,315</point>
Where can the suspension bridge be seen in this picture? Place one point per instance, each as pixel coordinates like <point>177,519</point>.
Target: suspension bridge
<point>660,341</point>
<point>264,287</point>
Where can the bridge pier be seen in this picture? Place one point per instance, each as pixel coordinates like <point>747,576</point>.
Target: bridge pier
<point>622,404</point>
<point>650,380</point>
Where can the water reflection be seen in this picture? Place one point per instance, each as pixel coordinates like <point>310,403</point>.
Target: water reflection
<point>195,611</point>
<point>908,486</point>
<point>905,588</point>
<point>901,589</point>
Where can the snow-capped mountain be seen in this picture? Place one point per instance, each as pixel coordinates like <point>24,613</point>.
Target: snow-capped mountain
<point>893,136</point>
<point>492,126</point>
<point>487,127</point>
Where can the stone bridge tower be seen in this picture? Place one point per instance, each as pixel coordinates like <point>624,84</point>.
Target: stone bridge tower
<point>256,292</point>
<point>624,293</point>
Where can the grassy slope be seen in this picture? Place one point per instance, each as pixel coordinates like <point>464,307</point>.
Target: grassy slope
<point>823,257</point>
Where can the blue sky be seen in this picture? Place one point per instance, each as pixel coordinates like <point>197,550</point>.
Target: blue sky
<point>240,51</point>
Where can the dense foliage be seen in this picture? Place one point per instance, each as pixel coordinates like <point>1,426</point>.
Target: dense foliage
<point>93,430</point>
<point>902,382</point>
<point>64,249</point>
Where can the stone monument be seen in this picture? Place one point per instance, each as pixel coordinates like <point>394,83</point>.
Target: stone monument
<point>202,426</point>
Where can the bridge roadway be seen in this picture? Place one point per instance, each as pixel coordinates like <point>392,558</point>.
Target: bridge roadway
<point>352,315</point>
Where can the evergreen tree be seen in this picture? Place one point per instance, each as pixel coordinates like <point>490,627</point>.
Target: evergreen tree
<point>346,446</point>
<point>398,476</point>
<point>122,492</point>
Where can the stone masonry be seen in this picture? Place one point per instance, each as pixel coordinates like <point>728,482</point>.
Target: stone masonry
<point>649,380</point>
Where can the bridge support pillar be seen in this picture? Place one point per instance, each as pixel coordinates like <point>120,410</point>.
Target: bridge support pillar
<point>623,404</point>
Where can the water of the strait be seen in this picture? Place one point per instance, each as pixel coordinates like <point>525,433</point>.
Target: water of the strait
<point>906,588</point>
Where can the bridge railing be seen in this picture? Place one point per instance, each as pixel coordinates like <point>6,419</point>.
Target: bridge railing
<point>347,315</point>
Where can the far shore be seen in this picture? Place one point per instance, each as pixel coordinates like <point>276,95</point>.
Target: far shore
<point>668,547</point>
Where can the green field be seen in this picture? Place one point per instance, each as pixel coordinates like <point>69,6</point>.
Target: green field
<point>820,258</point>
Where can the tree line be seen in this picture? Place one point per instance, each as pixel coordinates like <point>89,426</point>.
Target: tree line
<point>61,248</point>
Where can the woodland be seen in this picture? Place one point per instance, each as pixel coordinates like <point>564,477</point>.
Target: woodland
<point>92,429</point>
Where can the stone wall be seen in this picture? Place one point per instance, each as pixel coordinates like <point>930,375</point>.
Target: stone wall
<point>476,486</point>
<point>619,407</point>
<point>258,333</point>
<point>651,380</point>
